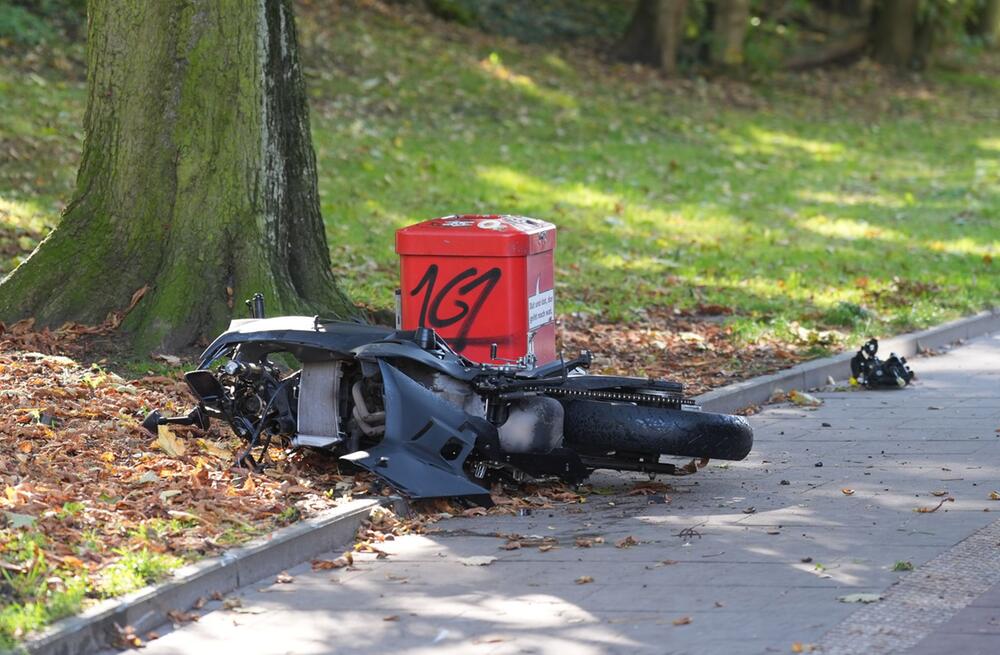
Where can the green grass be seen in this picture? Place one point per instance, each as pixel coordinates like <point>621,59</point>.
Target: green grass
<point>841,201</point>
<point>134,570</point>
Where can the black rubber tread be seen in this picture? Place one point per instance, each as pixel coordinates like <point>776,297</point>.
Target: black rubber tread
<point>594,425</point>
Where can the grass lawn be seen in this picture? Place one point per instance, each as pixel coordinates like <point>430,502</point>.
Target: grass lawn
<point>845,199</point>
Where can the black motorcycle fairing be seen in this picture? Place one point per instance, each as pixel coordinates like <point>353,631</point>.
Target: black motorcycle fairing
<point>305,337</point>
<point>393,347</point>
<point>426,442</point>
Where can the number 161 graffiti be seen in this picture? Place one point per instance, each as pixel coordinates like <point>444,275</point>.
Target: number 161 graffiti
<point>430,306</point>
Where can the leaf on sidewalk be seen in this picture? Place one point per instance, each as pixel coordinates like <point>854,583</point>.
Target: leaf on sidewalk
<point>860,598</point>
<point>627,542</point>
<point>928,510</point>
<point>804,399</point>
<point>684,620</point>
<point>995,495</point>
<point>584,579</point>
<point>847,492</point>
<point>477,560</point>
<point>328,564</point>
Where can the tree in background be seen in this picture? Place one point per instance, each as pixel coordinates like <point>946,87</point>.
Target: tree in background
<point>197,181</point>
<point>894,36</point>
<point>985,21</point>
<point>654,34</point>
<point>729,30</point>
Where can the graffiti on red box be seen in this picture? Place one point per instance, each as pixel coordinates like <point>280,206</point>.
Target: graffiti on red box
<point>475,291</point>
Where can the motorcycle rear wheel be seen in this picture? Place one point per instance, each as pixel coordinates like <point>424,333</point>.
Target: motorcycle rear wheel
<point>602,426</point>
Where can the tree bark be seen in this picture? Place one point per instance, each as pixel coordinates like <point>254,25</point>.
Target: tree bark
<point>895,33</point>
<point>987,22</point>
<point>729,31</point>
<point>198,177</point>
<point>654,34</point>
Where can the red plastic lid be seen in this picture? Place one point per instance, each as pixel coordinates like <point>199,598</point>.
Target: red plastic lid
<point>493,235</point>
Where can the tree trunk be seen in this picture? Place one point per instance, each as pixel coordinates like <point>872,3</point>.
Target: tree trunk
<point>986,22</point>
<point>654,34</point>
<point>895,33</point>
<point>198,177</point>
<point>729,31</point>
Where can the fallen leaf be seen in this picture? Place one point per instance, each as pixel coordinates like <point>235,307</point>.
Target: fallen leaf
<point>627,542</point>
<point>329,564</point>
<point>169,360</point>
<point>168,442</point>
<point>168,494</point>
<point>860,598</point>
<point>178,617</point>
<point>15,520</point>
<point>583,542</point>
<point>513,544</point>
<point>941,492</point>
<point>231,602</point>
<point>477,560</point>
<point>684,620</point>
<point>584,579</point>
<point>928,510</point>
<point>847,492</point>
<point>804,399</point>
<point>475,511</point>
<point>546,547</point>
<point>216,449</point>
<point>995,495</point>
<point>394,617</point>
<point>902,565</point>
<point>284,578</point>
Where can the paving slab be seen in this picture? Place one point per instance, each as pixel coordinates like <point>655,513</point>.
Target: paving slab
<point>732,560</point>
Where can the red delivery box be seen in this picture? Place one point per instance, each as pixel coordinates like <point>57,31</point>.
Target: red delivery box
<point>481,280</point>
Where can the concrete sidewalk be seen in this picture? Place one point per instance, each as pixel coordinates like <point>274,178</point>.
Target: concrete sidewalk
<point>747,557</point>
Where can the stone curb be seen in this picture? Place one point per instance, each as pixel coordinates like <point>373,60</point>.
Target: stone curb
<point>809,375</point>
<point>147,608</point>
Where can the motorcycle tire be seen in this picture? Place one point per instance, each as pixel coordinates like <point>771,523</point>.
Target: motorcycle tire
<point>602,426</point>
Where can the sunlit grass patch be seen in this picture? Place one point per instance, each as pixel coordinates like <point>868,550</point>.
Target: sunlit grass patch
<point>666,193</point>
<point>134,570</point>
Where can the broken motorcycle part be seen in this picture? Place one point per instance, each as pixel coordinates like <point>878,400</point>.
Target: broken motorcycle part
<point>429,422</point>
<point>874,373</point>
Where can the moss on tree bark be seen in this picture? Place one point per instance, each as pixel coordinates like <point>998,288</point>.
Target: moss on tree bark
<point>198,177</point>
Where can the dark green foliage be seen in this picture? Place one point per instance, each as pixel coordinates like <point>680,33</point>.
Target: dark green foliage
<point>453,10</point>
<point>31,22</point>
<point>539,21</point>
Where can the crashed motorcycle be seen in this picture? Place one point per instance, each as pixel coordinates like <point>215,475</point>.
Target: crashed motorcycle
<point>431,423</point>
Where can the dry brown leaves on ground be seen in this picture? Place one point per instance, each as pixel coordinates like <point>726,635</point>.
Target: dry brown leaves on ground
<point>698,351</point>
<point>76,467</point>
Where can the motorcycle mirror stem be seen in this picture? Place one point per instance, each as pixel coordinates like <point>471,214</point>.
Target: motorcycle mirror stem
<point>256,305</point>
<point>194,417</point>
